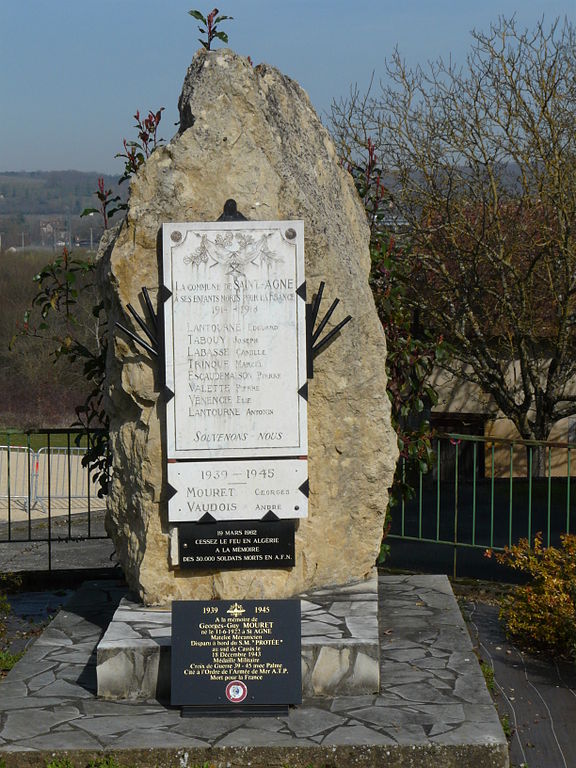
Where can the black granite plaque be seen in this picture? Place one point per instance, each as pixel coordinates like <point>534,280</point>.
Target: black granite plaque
<point>236,656</point>
<point>236,544</point>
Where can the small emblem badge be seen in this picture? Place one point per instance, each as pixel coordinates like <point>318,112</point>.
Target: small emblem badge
<point>236,691</point>
<point>236,610</point>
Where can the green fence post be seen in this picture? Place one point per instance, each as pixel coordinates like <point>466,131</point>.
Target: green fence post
<point>455,557</point>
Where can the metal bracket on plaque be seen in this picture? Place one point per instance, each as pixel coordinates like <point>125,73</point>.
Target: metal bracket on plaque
<point>150,328</point>
<point>315,344</point>
<point>231,212</point>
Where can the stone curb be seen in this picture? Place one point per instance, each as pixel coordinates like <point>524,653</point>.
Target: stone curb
<point>472,756</point>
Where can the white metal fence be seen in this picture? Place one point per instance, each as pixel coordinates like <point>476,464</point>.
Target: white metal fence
<point>50,510</point>
<point>17,475</point>
<point>32,479</point>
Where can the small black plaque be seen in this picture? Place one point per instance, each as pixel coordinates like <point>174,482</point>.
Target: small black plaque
<point>236,655</point>
<point>236,544</point>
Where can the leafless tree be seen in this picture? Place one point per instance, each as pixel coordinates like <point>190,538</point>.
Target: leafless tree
<point>479,167</point>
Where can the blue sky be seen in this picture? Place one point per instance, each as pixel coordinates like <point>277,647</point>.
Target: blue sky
<point>74,72</point>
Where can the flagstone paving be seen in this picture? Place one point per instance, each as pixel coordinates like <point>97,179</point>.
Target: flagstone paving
<point>432,707</point>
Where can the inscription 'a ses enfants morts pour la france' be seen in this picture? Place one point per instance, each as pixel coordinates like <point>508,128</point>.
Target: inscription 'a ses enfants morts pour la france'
<point>236,339</point>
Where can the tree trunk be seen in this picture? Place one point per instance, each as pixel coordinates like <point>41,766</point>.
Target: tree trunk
<point>538,455</point>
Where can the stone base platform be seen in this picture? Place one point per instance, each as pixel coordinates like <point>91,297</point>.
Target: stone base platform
<point>433,708</point>
<point>340,647</point>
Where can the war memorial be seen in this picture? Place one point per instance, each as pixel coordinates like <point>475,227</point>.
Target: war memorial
<point>252,449</point>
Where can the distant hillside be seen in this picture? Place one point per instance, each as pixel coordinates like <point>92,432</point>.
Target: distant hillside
<point>43,208</point>
<point>49,192</point>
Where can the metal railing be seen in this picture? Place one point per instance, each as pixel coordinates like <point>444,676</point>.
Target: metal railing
<point>487,493</point>
<point>481,493</point>
<point>47,494</point>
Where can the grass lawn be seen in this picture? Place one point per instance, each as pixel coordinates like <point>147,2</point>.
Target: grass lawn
<point>39,438</point>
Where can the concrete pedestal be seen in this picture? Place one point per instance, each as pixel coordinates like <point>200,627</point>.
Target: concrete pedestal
<point>340,649</point>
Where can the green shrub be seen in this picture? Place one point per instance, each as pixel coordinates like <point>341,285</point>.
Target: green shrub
<point>488,673</point>
<point>8,659</point>
<point>506,727</point>
<point>540,617</point>
<point>104,762</point>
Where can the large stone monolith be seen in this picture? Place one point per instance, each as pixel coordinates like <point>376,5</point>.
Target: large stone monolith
<point>251,134</point>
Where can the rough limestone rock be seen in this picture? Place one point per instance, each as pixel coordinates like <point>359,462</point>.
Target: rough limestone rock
<point>251,134</point>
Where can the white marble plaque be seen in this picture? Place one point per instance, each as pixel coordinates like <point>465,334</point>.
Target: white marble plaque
<point>238,490</point>
<point>235,332</point>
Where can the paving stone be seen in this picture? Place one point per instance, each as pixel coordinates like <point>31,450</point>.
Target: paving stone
<point>406,654</point>
<point>70,672</point>
<point>386,698</point>
<point>209,728</point>
<point>131,614</point>
<point>351,703</point>
<point>323,616</point>
<point>272,724</point>
<point>432,662</point>
<point>156,738</point>
<point>320,628</point>
<point>400,673</point>
<point>362,626</point>
<point>249,737</point>
<point>40,681</point>
<point>68,739</point>
<point>27,670</point>
<point>13,689</point>
<point>320,640</point>
<point>409,734</point>
<point>20,725</point>
<point>308,607</point>
<point>160,636</point>
<point>31,702</point>
<point>62,689</point>
<point>351,608</point>
<point>101,726</point>
<point>121,630</point>
<point>415,692</point>
<point>37,651</point>
<point>356,734</point>
<point>310,721</point>
<point>440,728</point>
<point>447,713</point>
<point>478,713</point>
<point>94,706</point>
<point>387,717</point>
<point>54,637</point>
<point>469,733</point>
